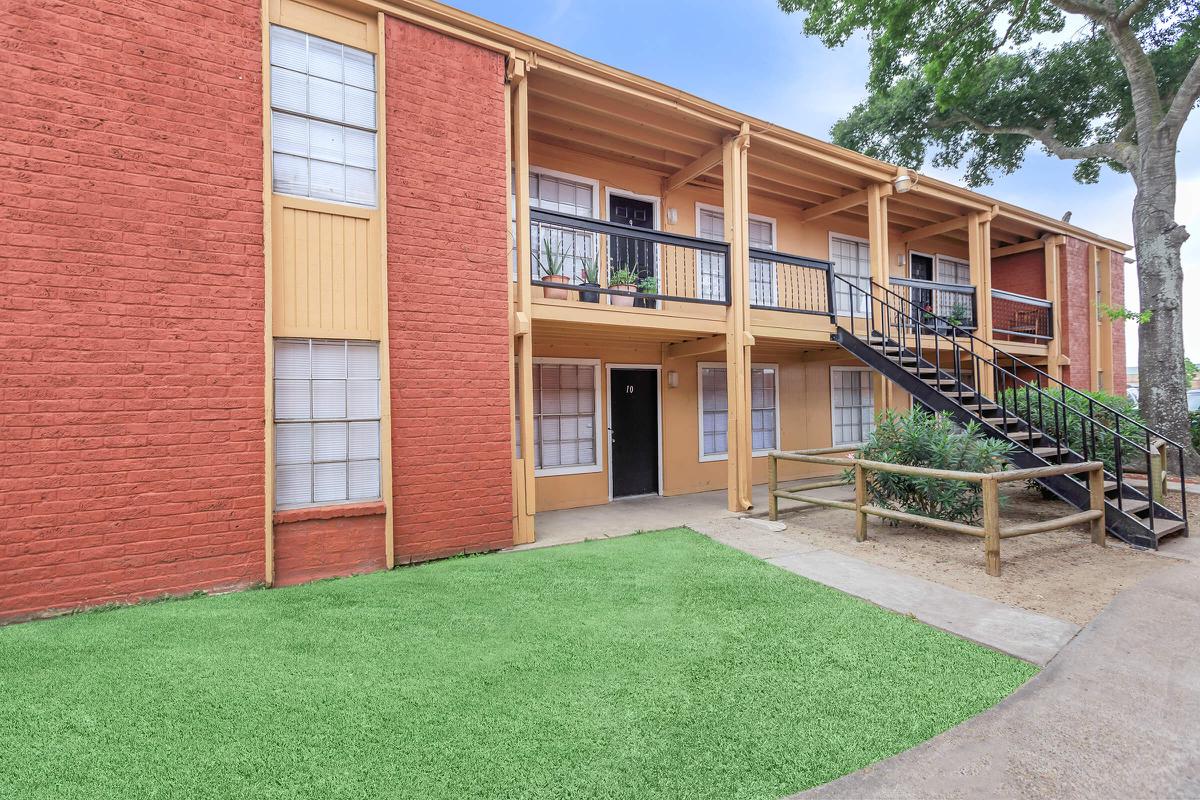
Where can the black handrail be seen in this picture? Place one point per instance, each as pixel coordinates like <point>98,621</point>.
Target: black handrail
<point>903,328</point>
<point>761,254</point>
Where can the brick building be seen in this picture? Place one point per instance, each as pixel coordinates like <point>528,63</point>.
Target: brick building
<point>274,307</point>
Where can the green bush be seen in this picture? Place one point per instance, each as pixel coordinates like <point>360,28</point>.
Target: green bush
<point>921,439</point>
<point>1194,422</point>
<point>1078,430</point>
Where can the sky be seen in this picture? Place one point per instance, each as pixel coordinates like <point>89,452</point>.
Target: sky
<point>750,56</point>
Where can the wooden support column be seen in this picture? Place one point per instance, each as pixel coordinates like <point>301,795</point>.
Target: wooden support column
<point>1050,249</point>
<point>979,256</point>
<point>737,319</point>
<point>1102,334</point>
<point>524,495</point>
<point>880,255</point>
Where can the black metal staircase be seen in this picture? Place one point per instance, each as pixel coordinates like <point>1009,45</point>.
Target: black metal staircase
<point>946,368</point>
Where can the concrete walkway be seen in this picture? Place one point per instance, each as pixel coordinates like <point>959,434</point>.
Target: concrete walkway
<point>1032,637</point>
<point>1115,715</point>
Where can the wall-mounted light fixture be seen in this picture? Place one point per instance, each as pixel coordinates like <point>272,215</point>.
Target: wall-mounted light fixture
<point>673,379</point>
<point>904,181</point>
<point>672,216</point>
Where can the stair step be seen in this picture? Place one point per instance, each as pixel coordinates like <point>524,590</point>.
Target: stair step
<point>1048,452</point>
<point>1018,436</point>
<point>1131,506</point>
<point>977,407</point>
<point>1009,420</point>
<point>940,381</point>
<point>1165,527</point>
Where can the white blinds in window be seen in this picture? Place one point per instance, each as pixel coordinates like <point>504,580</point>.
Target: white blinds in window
<point>564,415</point>
<point>322,118</point>
<point>326,422</point>
<point>714,410</point>
<point>853,406</point>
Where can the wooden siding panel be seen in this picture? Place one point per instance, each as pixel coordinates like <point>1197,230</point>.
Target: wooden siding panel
<point>325,272</point>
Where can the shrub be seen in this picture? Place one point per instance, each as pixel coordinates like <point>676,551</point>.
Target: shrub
<point>1194,422</point>
<point>1078,430</point>
<point>921,439</point>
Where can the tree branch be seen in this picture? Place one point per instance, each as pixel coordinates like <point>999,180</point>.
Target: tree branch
<point>1131,11</point>
<point>1106,151</point>
<point>1183,102</point>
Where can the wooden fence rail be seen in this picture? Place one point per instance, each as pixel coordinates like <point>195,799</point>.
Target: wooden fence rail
<point>991,531</point>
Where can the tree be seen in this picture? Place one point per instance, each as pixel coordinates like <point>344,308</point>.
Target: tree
<point>1100,82</point>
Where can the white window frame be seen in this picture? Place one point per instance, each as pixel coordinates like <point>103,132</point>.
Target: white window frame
<point>597,423</point>
<point>773,247</point>
<point>700,209</point>
<point>313,421</point>
<point>377,131</point>
<point>700,367</point>
<point>568,176</point>
<point>848,237</point>
<point>932,263</point>
<point>957,262</point>
<point>833,407</point>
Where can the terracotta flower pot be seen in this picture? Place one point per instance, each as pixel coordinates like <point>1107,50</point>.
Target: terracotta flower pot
<point>555,294</point>
<point>621,300</point>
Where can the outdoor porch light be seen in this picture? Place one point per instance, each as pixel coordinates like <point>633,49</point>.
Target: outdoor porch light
<point>673,379</point>
<point>903,182</point>
<point>672,216</point>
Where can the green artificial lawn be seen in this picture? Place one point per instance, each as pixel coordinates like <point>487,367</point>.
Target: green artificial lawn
<point>662,665</point>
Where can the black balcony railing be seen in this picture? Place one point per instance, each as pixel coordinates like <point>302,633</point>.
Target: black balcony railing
<point>938,303</point>
<point>601,262</point>
<point>783,282</point>
<point>1019,317</point>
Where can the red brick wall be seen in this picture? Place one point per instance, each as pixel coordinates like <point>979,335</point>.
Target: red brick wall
<point>131,322</point>
<point>1023,273</point>
<point>1076,301</point>
<point>1117,277</point>
<point>344,540</point>
<point>448,275</point>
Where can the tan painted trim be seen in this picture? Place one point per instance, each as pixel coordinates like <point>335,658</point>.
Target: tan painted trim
<point>832,206</point>
<point>696,347</point>
<point>1054,356</point>
<point>525,527</point>
<point>684,175</point>
<point>1015,249</point>
<point>268,311</point>
<point>737,353</point>
<point>383,324</point>
<point>938,228</point>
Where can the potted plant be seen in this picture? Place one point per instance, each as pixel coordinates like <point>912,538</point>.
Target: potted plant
<point>958,316</point>
<point>622,280</point>
<point>647,285</point>
<point>550,264</point>
<point>591,279</point>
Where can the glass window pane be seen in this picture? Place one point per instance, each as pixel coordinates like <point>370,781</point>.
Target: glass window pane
<point>326,142</point>
<point>364,440</point>
<point>328,181</point>
<point>324,58</point>
<point>292,399</point>
<point>293,485</point>
<point>364,480</point>
<point>329,359</point>
<point>329,441</point>
<point>293,444</point>
<point>360,149</point>
<point>329,482</point>
<point>289,90</point>
<point>362,361</point>
<point>359,107</point>
<point>289,134</point>
<point>290,174</point>
<point>291,359</point>
<point>289,48</point>
<point>360,186</point>
<point>329,399</point>
<point>363,399</point>
<point>359,68</point>
<point>325,99</point>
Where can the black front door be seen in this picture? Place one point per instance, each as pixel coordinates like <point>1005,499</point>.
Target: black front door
<point>626,252</point>
<point>633,418</point>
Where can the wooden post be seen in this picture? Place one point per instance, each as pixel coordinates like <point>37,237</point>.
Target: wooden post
<point>991,525</point>
<point>1157,479</point>
<point>1050,261</point>
<point>772,485</point>
<point>737,320</point>
<point>1096,488</point>
<point>860,500</point>
<point>524,531</point>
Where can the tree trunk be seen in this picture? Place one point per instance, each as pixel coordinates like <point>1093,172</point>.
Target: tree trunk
<point>1158,239</point>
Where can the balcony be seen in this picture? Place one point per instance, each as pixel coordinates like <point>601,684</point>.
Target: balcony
<point>602,263</point>
<point>1020,318</point>
<point>946,304</point>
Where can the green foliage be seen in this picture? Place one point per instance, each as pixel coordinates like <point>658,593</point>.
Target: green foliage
<point>1079,432</point>
<point>550,261</point>
<point>1118,313</point>
<point>591,271</point>
<point>1189,371</point>
<point>921,439</point>
<point>623,277</point>
<point>1194,425</point>
<point>601,669</point>
<point>965,81</point>
<point>648,285</point>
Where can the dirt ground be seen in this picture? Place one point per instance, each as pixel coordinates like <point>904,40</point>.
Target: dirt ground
<point>1060,574</point>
